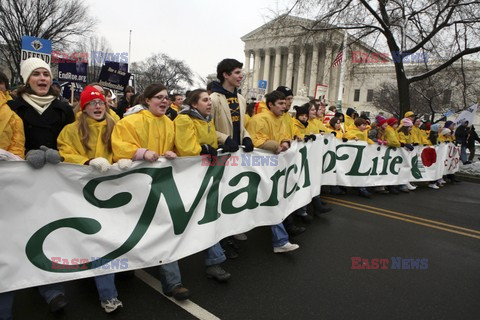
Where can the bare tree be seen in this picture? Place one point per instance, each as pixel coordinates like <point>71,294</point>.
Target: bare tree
<point>96,48</point>
<point>56,20</point>
<point>446,28</point>
<point>160,68</point>
<point>442,92</point>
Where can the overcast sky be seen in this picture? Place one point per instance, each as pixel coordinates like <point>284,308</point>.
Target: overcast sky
<point>199,32</point>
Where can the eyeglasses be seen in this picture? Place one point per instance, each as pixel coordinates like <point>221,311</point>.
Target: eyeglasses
<point>97,103</point>
<point>160,97</point>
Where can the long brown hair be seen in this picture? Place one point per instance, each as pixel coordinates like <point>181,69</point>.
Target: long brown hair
<point>85,132</point>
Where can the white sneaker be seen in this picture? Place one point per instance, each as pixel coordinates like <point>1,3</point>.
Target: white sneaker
<point>433,186</point>
<point>240,237</point>
<point>441,181</point>
<point>410,186</point>
<point>286,248</point>
<point>111,305</point>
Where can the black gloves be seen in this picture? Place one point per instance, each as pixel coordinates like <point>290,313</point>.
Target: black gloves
<point>409,147</point>
<point>402,144</point>
<point>208,149</point>
<point>344,139</point>
<point>247,144</point>
<point>334,133</point>
<point>415,144</point>
<point>230,145</point>
<point>309,137</point>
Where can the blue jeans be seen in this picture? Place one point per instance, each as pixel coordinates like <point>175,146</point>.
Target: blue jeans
<point>170,276</point>
<point>214,255</point>
<point>6,303</point>
<point>106,287</point>
<point>463,153</point>
<point>279,235</point>
<point>48,292</point>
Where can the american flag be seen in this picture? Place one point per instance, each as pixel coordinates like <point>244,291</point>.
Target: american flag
<point>338,59</point>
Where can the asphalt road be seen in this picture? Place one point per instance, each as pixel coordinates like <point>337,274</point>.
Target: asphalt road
<point>317,281</point>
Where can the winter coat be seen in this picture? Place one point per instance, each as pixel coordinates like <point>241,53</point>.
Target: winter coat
<point>71,148</point>
<point>318,124</point>
<point>12,137</point>
<point>267,131</point>
<point>42,129</point>
<point>415,135</point>
<point>349,123</point>
<point>391,136</point>
<point>142,130</point>
<point>299,129</point>
<point>461,134</point>
<point>353,134</point>
<point>288,123</point>
<point>192,131</point>
<point>472,137</point>
<point>223,119</point>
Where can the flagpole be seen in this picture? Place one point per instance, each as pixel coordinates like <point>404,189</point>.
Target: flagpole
<point>342,74</point>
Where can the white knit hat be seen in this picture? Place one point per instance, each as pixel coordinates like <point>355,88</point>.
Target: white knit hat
<point>29,65</point>
<point>446,131</point>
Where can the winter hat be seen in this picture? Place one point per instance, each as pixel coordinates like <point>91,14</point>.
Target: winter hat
<point>409,114</point>
<point>446,132</point>
<point>380,121</point>
<point>304,109</point>
<point>340,115</point>
<point>350,111</point>
<point>406,122</point>
<point>285,90</point>
<point>29,65</point>
<point>448,124</point>
<point>89,94</point>
<point>391,121</point>
<point>434,127</point>
<point>378,117</point>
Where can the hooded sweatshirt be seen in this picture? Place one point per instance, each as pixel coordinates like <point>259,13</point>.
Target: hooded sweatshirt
<point>234,105</point>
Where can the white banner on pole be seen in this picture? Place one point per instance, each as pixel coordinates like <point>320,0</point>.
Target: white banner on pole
<point>68,221</point>
<point>467,115</point>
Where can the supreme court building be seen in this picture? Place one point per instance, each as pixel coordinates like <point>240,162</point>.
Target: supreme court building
<point>283,53</point>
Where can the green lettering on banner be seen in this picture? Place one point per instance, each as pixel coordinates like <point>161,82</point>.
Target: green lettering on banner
<point>415,170</point>
<point>273,199</point>
<point>355,169</point>
<point>295,187</point>
<point>251,189</point>
<point>162,183</point>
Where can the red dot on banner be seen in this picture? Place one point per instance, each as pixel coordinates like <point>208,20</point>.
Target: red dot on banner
<point>429,156</point>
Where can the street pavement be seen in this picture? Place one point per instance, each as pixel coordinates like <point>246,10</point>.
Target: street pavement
<point>442,227</point>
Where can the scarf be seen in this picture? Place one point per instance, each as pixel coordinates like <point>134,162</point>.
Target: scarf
<point>40,104</point>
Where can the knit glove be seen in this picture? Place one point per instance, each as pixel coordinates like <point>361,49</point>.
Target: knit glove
<point>124,164</point>
<point>334,133</point>
<point>230,145</point>
<point>101,164</point>
<point>51,155</point>
<point>409,147</point>
<point>247,144</point>
<point>402,144</point>
<point>344,139</point>
<point>309,137</point>
<point>208,149</point>
<point>415,144</point>
<point>36,158</point>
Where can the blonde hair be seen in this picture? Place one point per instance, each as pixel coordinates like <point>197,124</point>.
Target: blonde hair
<point>85,132</point>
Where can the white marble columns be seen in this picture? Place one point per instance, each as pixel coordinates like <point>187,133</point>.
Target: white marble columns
<point>313,72</point>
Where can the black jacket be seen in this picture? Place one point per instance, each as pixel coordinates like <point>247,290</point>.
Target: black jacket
<point>472,137</point>
<point>461,134</point>
<point>42,129</point>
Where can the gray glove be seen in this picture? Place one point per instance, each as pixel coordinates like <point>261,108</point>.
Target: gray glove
<point>51,155</point>
<point>36,158</point>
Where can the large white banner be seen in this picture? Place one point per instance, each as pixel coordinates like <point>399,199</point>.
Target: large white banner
<point>67,221</point>
<point>467,115</point>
